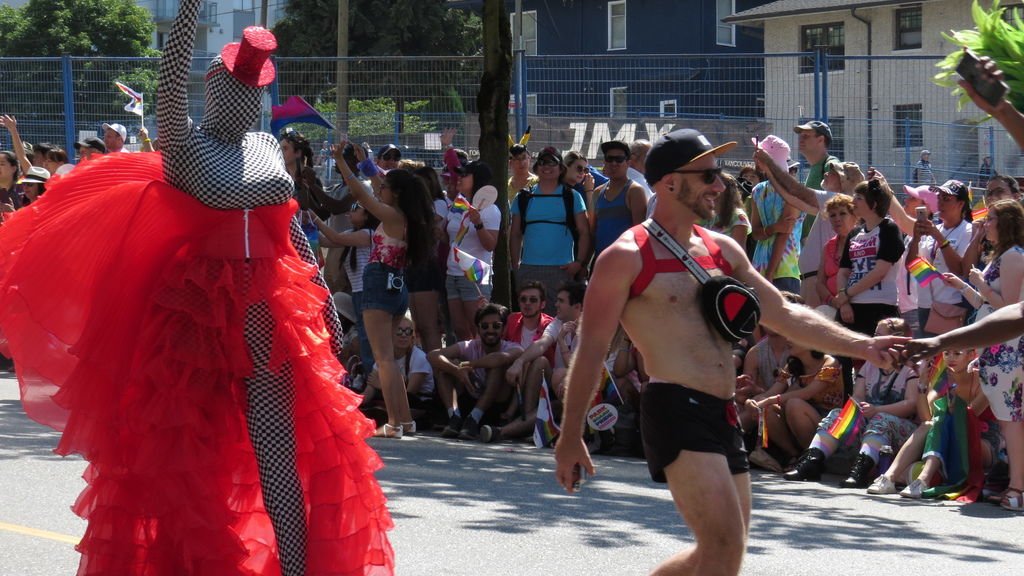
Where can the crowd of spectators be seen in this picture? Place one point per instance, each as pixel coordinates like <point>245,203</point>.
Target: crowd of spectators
<point>409,255</point>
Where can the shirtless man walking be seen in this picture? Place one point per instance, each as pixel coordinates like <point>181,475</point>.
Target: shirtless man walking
<point>691,435</point>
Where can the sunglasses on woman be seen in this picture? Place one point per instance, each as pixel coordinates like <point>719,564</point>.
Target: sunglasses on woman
<point>708,175</point>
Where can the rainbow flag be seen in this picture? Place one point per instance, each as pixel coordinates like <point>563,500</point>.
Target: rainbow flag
<point>546,429</point>
<point>610,392</point>
<point>475,269</point>
<point>939,379</point>
<point>296,110</point>
<point>923,271</point>
<point>460,205</point>
<point>979,214</point>
<point>135,105</point>
<point>848,423</point>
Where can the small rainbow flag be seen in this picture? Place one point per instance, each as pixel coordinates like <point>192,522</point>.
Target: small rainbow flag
<point>460,205</point>
<point>474,268</point>
<point>939,379</point>
<point>463,230</point>
<point>923,271</point>
<point>979,214</point>
<point>135,105</point>
<point>610,392</point>
<point>848,423</point>
<point>546,429</point>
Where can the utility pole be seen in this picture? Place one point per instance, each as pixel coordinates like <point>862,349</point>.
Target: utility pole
<point>341,120</point>
<point>263,13</point>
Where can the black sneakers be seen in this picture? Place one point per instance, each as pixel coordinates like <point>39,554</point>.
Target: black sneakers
<point>453,428</point>
<point>470,429</point>
<point>809,467</point>
<point>489,434</point>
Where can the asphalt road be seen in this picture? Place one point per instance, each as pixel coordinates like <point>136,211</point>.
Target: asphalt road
<point>467,509</point>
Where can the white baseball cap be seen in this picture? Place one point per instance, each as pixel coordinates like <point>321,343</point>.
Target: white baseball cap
<point>117,128</point>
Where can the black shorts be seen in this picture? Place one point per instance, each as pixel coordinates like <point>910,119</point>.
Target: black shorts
<point>676,418</point>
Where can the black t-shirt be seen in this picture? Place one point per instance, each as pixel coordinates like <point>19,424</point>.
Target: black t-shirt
<point>862,251</point>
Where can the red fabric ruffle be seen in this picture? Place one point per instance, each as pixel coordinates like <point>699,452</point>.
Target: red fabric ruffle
<point>130,339</point>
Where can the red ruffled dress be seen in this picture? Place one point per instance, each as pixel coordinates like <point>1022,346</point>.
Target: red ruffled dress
<point>123,302</point>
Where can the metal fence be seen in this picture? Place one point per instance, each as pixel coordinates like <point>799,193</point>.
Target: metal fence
<point>883,110</point>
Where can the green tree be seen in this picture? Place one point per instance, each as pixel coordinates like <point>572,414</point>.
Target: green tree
<point>396,28</point>
<point>76,28</point>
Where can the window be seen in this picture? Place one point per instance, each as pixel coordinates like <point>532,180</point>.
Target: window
<point>827,37</point>
<point>907,130</point>
<point>908,28</point>
<point>529,32</point>
<point>617,25</point>
<point>531,104</point>
<point>837,124</point>
<point>1008,14</point>
<point>667,109</point>
<point>618,101</point>
<point>725,34</point>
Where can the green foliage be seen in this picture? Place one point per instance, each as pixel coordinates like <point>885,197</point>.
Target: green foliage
<point>994,37</point>
<point>373,117</point>
<point>76,28</point>
<point>395,28</point>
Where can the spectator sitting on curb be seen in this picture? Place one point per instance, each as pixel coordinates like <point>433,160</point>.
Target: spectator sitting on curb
<point>474,368</point>
<point>533,366</point>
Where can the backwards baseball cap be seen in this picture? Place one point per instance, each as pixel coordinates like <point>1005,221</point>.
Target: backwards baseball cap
<point>117,128</point>
<point>389,148</point>
<point>816,126</point>
<point>92,142</point>
<point>479,170</point>
<point>677,149</point>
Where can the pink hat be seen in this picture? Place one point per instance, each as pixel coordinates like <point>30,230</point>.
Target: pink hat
<point>776,148</point>
<point>925,194</point>
<point>249,60</point>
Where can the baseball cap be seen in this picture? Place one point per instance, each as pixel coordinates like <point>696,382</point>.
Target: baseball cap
<point>614,145</point>
<point>92,142</point>
<point>549,152</point>
<point>925,153</point>
<point>954,188</point>
<point>345,305</point>
<point>389,148</point>
<point>35,175</point>
<point>117,128</point>
<point>816,126</point>
<point>677,149</point>
<point>790,163</point>
<point>927,194</point>
<point>517,149</point>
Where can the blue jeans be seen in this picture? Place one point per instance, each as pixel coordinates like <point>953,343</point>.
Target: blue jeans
<point>365,352</point>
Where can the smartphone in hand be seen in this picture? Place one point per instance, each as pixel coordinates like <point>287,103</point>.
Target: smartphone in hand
<point>988,88</point>
<point>922,213</point>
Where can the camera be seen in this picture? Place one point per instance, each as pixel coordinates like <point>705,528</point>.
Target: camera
<point>395,282</point>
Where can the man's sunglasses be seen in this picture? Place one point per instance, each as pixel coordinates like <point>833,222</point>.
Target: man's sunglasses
<point>547,162</point>
<point>708,174</point>
<point>393,156</point>
<point>614,159</point>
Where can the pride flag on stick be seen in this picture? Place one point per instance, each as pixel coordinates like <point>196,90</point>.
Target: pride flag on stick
<point>296,110</point>
<point>474,269</point>
<point>546,429</point>
<point>848,423</point>
<point>135,105</point>
<point>610,392</point>
<point>939,379</point>
<point>979,214</point>
<point>923,271</point>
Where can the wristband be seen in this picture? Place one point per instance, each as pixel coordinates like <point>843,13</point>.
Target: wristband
<point>479,226</point>
<point>944,244</point>
<point>146,140</point>
<point>368,168</point>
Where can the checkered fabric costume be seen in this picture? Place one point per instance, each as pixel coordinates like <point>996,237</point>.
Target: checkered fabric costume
<point>185,344</point>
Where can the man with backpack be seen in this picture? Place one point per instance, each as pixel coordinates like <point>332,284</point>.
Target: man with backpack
<point>549,238</point>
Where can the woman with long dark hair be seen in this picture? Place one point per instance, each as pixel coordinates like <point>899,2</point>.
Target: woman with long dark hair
<point>426,283</point>
<point>403,239</point>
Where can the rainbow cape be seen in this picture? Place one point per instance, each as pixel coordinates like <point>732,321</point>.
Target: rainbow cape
<point>296,110</point>
<point>848,423</point>
<point>923,271</point>
<point>546,429</point>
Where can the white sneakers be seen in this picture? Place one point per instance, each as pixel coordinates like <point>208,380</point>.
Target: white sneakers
<point>914,489</point>
<point>882,485</point>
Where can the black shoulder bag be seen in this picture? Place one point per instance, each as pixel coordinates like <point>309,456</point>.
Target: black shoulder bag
<point>727,304</point>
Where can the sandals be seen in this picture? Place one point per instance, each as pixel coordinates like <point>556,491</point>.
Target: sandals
<point>389,431</point>
<point>1013,500</point>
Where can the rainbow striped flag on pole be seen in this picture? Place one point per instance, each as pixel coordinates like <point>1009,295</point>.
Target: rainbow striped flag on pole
<point>939,379</point>
<point>546,429</point>
<point>135,104</point>
<point>474,269</point>
<point>848,423</point>
<point>923,271</point>
<point>610,392</point>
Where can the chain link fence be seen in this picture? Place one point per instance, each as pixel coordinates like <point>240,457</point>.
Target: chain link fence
<point>884,110</point>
